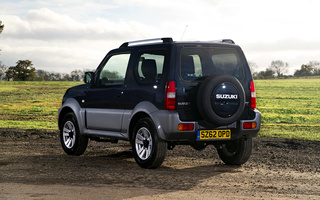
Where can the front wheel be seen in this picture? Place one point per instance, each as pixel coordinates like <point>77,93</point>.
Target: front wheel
<point>72,142</point>
<point>148,151</point>
<point>235,152</point>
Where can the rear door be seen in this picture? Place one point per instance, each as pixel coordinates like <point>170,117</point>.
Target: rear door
<point>147,78</point>
<point>196,64</point>
<point>105,103</point>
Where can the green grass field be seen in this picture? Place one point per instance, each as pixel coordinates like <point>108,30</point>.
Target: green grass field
<point>31,105</point>
<point>290,107</point>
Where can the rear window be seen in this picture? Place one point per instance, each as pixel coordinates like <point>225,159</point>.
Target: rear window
<point>197,62</point>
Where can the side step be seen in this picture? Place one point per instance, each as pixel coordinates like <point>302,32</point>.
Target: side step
<point>97,139</point>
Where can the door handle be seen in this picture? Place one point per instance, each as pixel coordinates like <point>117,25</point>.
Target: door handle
<point>118,95</point>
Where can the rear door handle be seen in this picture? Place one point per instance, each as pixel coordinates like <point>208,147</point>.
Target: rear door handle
<point>118,95</point>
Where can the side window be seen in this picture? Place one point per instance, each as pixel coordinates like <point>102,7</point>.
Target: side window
<point>150,67</point>
<point>114,71</point>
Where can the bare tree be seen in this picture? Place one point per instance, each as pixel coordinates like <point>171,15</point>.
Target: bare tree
<point>3,70</point>
<point>315,67</point>
<point>77,75</point>
<point>279,67</point>
<point>1,28</point>
<point>253,67</point>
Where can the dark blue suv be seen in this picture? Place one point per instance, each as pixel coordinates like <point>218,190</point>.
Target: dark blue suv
<point>159,93</point>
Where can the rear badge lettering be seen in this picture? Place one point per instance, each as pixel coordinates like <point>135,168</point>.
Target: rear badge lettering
<point>226,96</point>
<point>183,103</point>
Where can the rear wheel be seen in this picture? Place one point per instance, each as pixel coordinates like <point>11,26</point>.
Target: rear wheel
<point>72,142</point>
<point>235,152</point>
<point>148,150</point>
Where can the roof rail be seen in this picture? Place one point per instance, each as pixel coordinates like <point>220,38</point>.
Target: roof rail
<point>148,41</point>
<point>228,41</point>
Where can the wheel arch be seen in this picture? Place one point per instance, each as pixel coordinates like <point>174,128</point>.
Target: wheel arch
<point>71,105</point>
<point>134,120</point>
<point>62,114</point>
<point>142,110</point>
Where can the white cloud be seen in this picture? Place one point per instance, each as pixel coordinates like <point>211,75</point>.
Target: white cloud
<point>58,42</point>
<point>44,24</point>
<point>295,51</point>
<point>65,35</point>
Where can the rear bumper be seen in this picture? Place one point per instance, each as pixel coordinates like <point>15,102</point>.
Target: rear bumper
<point>250,133</point>
<point>167,126</point>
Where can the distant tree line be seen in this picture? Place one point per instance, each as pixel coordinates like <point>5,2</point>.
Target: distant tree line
<point>24,71</point>
<point>277,69</point>
<point>310,69</point>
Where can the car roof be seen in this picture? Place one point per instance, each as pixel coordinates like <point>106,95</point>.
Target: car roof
<point>159,41</point>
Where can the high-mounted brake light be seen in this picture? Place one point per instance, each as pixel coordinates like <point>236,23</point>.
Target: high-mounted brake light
<point>170,96</point>
<point>253,100</point>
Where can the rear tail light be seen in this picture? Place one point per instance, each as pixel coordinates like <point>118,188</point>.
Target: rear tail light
<point>253,100</point>
<point>170,96</point>
<point>185,127</point>
<point>249,125</point>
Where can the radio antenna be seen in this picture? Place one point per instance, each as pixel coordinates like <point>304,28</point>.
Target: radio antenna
<point>185,29</point>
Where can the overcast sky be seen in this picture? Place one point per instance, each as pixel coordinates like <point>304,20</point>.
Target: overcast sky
<point>63,35</point>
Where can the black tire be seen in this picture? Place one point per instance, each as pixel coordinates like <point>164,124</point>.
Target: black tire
<point>221,111</point>
<point>236,152</point>
<point>148,151</point>
<point>72,142</point>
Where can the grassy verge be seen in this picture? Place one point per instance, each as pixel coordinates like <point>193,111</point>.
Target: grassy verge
<point>31,105</point>
<point>290,108</point>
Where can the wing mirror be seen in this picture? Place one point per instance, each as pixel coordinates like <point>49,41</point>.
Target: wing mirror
<point>88,77</point>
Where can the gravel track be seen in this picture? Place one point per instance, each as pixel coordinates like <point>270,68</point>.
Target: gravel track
<point>34,166</point>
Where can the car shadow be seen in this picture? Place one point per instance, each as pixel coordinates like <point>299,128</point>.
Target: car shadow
<point>114,168</point>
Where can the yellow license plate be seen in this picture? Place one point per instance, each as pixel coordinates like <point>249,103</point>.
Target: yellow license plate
<point>214,134</point>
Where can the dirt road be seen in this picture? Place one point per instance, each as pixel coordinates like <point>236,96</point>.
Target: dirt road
<point>33,166</point>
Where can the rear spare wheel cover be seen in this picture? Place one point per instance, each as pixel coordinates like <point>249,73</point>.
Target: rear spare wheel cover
<point>221,99</point>
<point>225,100</point>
